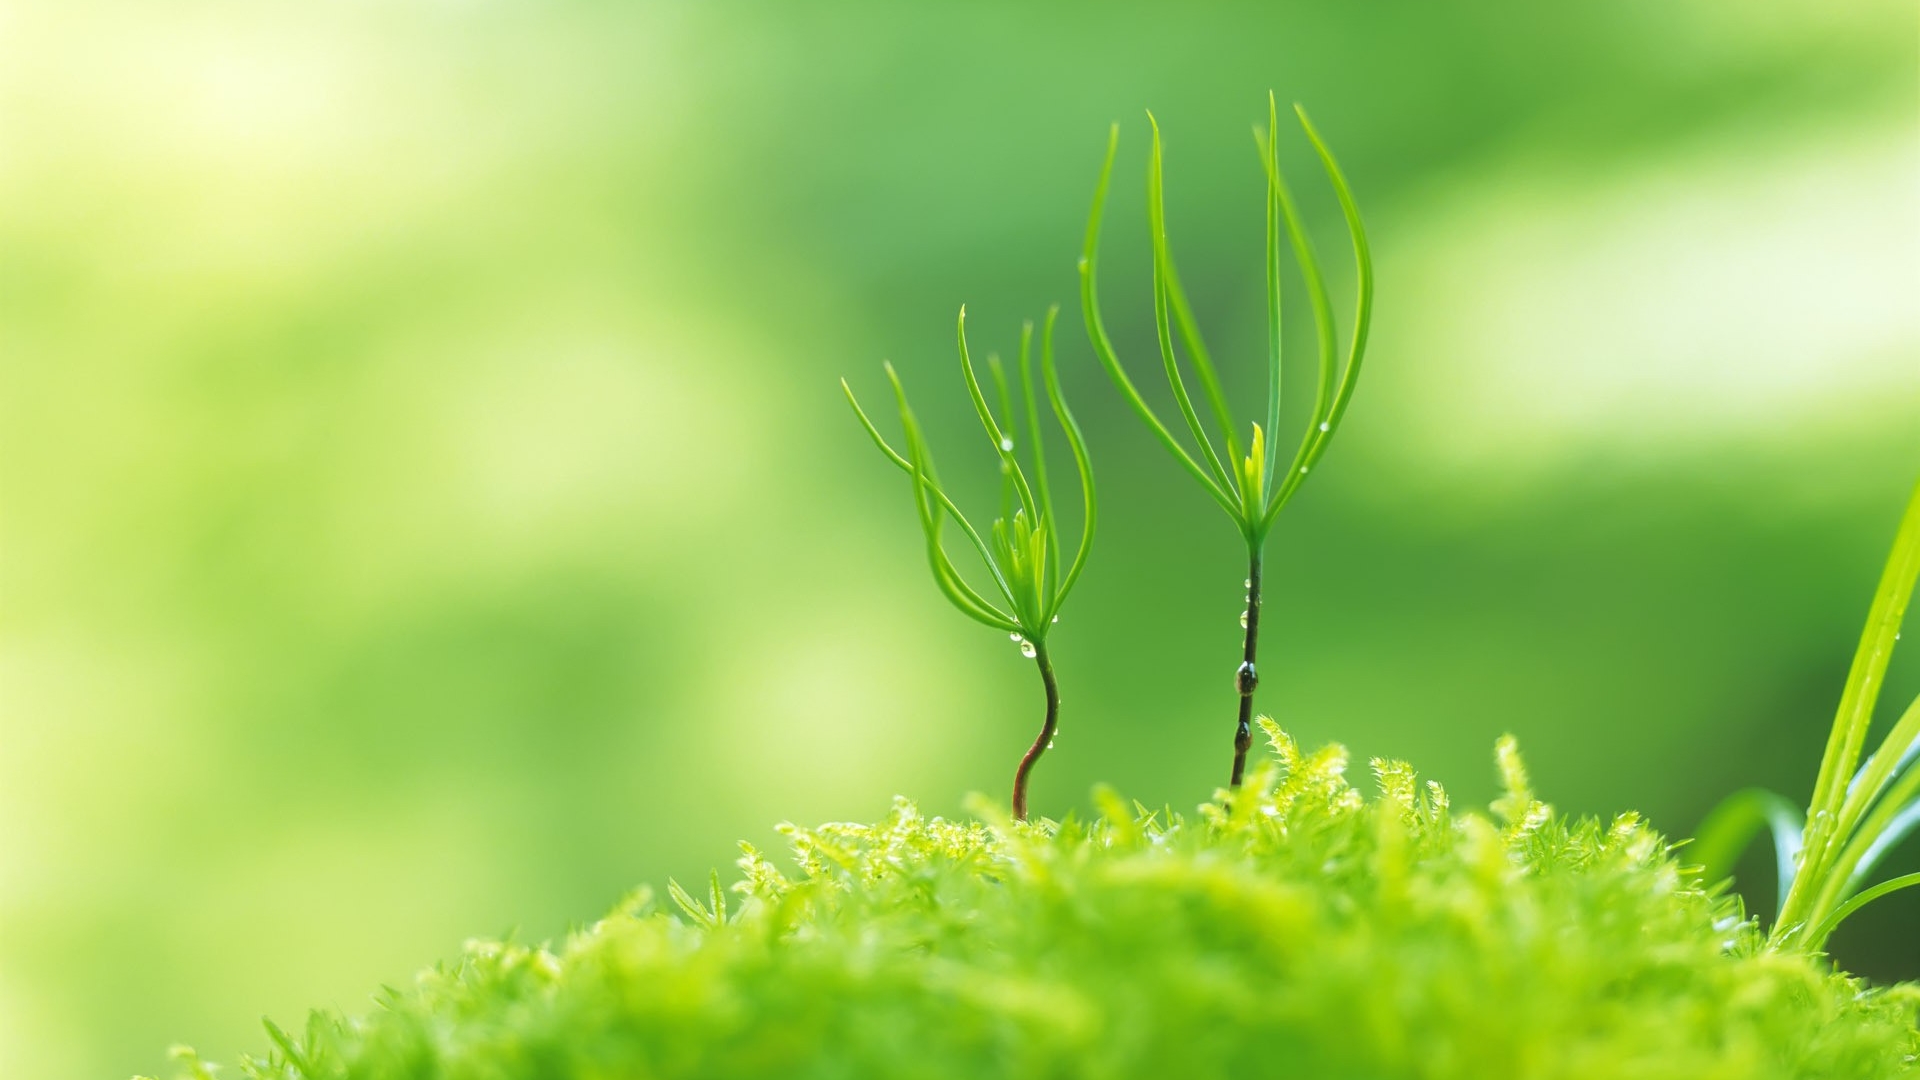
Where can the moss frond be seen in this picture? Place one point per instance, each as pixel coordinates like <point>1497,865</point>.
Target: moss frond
<point>1297,928</point>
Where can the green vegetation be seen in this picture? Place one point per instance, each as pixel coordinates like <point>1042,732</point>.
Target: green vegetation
<point>1023,556</point>
<point>1294,926</point>
<point>1299,930</point>
<point>1249,488</point>
<point>1857,822</point>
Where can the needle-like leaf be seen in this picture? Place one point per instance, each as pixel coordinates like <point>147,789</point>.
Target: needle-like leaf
<point>1196,347</point>
<point>900,461</point>
<point>1309,263</point>
<point>1832,922</point>
<point>1001,439</point>
<point>1157,225</point>
<point>1078,444</point>
<point>930,501</point>
<point>1042,488</point>
<point>1270,155</point>
<point>1103,345</point>
<point>1320,432</point>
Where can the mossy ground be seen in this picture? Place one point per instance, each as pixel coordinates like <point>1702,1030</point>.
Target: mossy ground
<point>1299,930</point>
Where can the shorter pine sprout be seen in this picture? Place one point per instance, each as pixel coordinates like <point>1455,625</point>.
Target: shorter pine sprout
<point>1022,550</point>
<point>1250,488</point>
<point>1860,811</point>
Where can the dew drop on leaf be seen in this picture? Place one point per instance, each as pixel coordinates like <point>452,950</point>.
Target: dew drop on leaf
<point>1027,650</point>
<point>1015,638</point>
<point>1324,426</point>
<point>1006,443</point>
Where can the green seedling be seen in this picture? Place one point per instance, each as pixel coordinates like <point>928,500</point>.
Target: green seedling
<point>1022,550</point>
<point>1859,812</point>
<point>1250,488</point>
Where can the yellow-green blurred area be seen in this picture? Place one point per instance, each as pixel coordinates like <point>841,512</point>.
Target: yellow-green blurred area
<point>427,507</point>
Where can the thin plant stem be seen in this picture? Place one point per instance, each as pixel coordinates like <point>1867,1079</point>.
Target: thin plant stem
<point>1247,677</point>
<point>1045,740</point>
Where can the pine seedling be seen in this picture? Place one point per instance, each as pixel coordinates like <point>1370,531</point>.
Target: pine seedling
<point>1250,488</point>
<point>1826,856</point>
<point>1021,551</point>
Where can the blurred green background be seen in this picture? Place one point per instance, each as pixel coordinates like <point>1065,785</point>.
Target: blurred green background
<point>427,508</point>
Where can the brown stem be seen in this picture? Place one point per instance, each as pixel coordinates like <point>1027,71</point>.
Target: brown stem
<point>1046,732</point>
<point>1247,677</point>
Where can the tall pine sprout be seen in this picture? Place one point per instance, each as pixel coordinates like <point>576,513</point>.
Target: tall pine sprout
<point>1250,488</point>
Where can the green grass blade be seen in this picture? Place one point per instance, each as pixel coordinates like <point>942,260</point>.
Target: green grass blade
<point>1867,834</point>
<point>1731,826</point>
<point>1157,228</point>
<point>1078,444</point>
<point>1103,345</point>
<point>1002,440</point>
<point>1864,680</point>
<point>1881,837</point>
<point>1832,922</point>
<point>1042,486</point>
<point>899,460</point>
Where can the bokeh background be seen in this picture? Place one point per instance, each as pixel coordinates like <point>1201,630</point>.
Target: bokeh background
<point>427,508</point>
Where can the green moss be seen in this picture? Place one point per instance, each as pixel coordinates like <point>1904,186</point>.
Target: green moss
<point>1302,930</point>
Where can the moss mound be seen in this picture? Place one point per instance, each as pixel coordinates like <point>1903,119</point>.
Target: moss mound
<point>1299,930</point>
